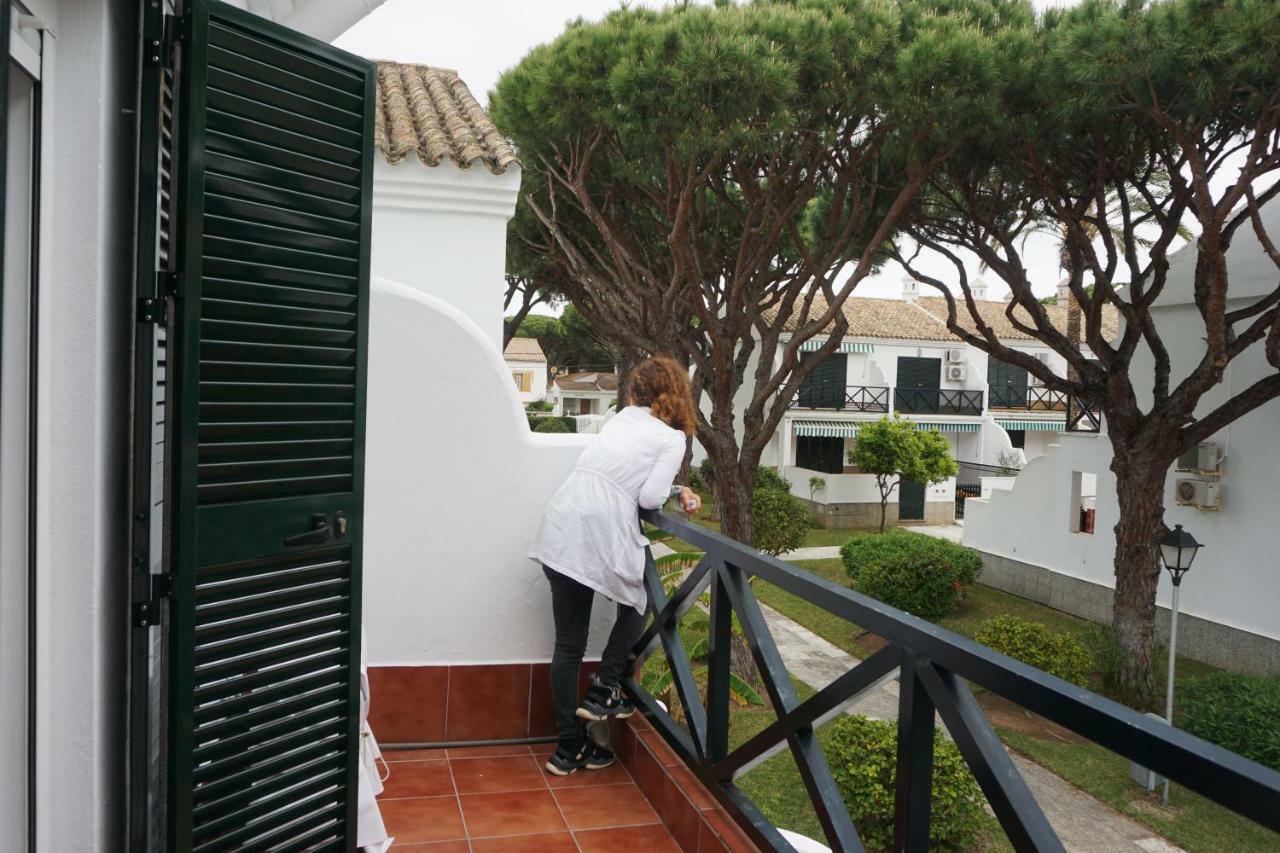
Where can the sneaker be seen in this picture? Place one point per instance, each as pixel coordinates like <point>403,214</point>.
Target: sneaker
<point>589,755</point>
<point>604,701</point>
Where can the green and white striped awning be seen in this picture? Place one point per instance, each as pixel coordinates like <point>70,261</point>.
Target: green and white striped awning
<point>946,427</point>
<point>814,344</point>
<point>1032,426</point>
<point>826,429</point>
<point>849,429</point>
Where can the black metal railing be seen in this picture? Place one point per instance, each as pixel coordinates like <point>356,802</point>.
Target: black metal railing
<point>937,401</point>
<point>832,395</point>
<point>1034,398</point>
<point>935,668</point>
<point>1083,416</point>
<point>969,481</point>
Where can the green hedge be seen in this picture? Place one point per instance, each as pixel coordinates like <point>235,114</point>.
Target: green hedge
<point>863,755</point>
<point>1032,643</point>
<point>1236,711</point>
<point>920,574</point>
<point>552,423</point>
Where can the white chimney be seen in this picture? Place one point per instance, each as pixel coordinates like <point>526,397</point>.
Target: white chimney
<point>1064,292</point>
<point>979,289</point>
<point>910,289</point>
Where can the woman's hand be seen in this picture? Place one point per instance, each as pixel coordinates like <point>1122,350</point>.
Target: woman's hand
<point>689,500</point>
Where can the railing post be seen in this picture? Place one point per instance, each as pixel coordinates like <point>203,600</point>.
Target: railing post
<point>914,788</point>
<point>719,657</point>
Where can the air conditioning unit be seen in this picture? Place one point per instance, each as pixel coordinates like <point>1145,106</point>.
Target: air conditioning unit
<point>955,356</point>
<point>1208,456</point>
<point>956,372</point>
<point>1200,494</point>
<point>1205,457</point>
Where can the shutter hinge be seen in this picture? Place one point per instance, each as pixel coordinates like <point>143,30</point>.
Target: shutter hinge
<point>151,310</point>
<point>160,45</point>
<point>146,613</point>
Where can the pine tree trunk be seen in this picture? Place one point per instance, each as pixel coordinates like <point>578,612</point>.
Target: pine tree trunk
<point>733,499</point>
<point>1140,492</point>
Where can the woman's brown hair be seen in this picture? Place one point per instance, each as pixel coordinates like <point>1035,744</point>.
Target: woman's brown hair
<point>662,384</point>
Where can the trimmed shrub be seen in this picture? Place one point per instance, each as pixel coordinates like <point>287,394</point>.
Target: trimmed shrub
<point>863,754</point>
<point>1032,643</point>
<point>781,521</point>
<point>1235,711</point>
<point>553,424</point>
<point>767,478</point>
<point>920,574</point>
<point>539,406</point>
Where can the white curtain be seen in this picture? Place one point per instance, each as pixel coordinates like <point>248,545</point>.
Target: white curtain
<point>371,832</point>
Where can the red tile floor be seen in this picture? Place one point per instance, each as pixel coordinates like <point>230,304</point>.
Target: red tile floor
<point>499,798</point>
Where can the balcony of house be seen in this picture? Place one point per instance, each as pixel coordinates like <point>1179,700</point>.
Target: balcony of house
<point>1032,398</point>
<point>837,396</point>
<point>938,401</point>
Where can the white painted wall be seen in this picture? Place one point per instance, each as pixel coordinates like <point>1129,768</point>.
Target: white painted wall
<point>1234,580</point>
<point>442,230</point>
<point>857,488</point>
<point>82,438</point>
<point>537,373</point>
<point>455,487</point>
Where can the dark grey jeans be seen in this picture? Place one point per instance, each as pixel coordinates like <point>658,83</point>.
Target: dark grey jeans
<point>571,607</point>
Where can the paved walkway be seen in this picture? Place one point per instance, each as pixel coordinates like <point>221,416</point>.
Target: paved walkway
<point>952,532</point>
<point>1083,823</point>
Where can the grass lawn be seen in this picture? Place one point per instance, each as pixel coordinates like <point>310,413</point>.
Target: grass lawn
<point>1190,821</point>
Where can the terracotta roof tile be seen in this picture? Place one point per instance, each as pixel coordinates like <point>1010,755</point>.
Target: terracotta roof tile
<point>588,382</point>
<point>993,314</point>
<point>524,349</point>
<point>430,112</point>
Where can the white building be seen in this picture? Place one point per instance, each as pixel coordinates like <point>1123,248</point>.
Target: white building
<point>1030,528</point>
<point>585,393</point>
<point>528,366</point>
<point>899,357</point>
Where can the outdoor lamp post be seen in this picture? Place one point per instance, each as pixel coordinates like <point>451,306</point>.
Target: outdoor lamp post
<point>1177,549</point>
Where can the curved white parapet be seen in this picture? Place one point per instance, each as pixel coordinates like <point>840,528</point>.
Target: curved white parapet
<point>455,484</point>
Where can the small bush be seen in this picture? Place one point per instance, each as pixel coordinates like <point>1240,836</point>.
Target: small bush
<point>781,521</point>
<point>539,406</point>
<point>767,478</point>
<point>1235,711</point>
<point>863,757</point>
<point>1032,643</point>
<point>920,574</point>
<point>553,424</point>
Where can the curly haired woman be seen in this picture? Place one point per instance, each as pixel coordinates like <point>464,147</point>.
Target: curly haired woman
<point>590,541</point>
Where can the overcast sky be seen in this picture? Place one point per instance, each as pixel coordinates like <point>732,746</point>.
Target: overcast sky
<point>481,41</point>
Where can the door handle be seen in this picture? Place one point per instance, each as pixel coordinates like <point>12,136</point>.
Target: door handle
<point>318,533</point>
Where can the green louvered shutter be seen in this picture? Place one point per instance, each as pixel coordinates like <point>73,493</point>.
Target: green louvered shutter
<point>824,387</point>
<point>274,180</point>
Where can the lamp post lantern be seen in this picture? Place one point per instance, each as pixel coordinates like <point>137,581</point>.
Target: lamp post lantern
<point>1177,549</point>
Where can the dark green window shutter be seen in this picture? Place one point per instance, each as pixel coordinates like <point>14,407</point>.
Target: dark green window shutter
<point>918,382</point>
<point>1007,384</point>
<point>274,179</point>
<point>824,387</point>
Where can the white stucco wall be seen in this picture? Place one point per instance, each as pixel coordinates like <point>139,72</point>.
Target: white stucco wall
<point>1234,581</point>
<point>442,230</point>
<point>455,485</point>
<point>537,373</point>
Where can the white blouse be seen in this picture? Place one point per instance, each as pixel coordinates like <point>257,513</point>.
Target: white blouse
<point>590,531</point>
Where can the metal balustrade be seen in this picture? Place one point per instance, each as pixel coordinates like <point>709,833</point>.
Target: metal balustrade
<point>935,670</point>
<point>1083,416</point>
<point>1034,398</point>
<point>937,401</point>
<point>831,395</point>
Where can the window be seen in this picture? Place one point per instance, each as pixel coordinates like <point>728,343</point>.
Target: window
<point>820,454</point>
<point>1084,501</point>
<point>1018,437</point>
<point>824,387</point>
<point>524,381</point>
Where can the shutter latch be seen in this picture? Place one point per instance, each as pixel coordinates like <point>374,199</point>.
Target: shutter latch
<point>151,310</point>
<point>147,612</point>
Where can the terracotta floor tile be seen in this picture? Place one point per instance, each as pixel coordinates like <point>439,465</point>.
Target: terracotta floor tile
<point>488,751</point>
<point>512,813</point>
<point>418,779</point>
<point>730,834</point>
<point>424,819</point>
<point>411,703</point>
<point>542,750</point>
<point>495,775</point>
<point>610,805</point>
<point>651,839</point>
<point>692,787</point>
<point>488,702</point>
<point>560,842</point>
<point>393,756</point>
<point>614,774</point>
<point>436,846</point>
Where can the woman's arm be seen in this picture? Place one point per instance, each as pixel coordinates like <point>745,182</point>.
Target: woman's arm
<point>657,487</point>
